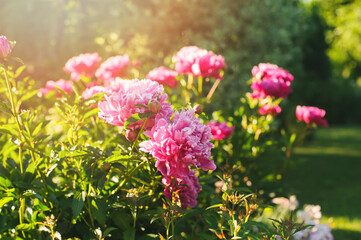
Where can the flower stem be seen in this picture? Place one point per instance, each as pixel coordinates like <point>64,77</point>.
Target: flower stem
<point>214,87</point>
<point>138,135</point>
<point>190,81</point>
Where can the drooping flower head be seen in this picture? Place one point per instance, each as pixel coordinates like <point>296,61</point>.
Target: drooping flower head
<point>82,65</point>
<point>208,65</point>
<point>185,189</point>
<point>66,86</point>
<point>311,115</point>
<point>185,58</point>
<point>267,109</point>
<point>180,143</point>
<point>220,130</point>
<point>128,100</point>
<point>113,67</point>
<point>5,47</point>
<point>270,80</point>
<point>164,76</point>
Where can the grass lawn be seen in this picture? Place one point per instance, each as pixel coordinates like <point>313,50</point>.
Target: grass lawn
<point>327,171</point>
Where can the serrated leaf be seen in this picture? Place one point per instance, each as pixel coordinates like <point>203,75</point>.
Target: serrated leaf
<point>78,203</point>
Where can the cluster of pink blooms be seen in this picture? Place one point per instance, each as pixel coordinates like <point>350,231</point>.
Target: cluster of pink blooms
<point>122,104</point>
<point>5,47</point>
<point>177,144</point>
<point>199,62</point>
<point>220,130</point>
<point>311,115</point>
<point>66,86</point>
<point>270,80</point>
<point>113,67</point>
<point>164,76</point>
<point>267,109</point>
<point>82,65</point>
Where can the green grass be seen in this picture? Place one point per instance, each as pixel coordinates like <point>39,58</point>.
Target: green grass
<point>327,171</point>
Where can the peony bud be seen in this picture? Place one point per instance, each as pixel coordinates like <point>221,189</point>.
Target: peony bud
<point>105,167</point>
<point>5,47</point>
<point>131,135</point>
<point>198,109</point>
<point>154,106</point>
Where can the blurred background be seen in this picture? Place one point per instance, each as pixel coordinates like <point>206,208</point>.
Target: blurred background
<point>319,42</point>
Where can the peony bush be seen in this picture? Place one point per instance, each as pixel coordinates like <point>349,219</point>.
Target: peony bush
<point>106,155</point>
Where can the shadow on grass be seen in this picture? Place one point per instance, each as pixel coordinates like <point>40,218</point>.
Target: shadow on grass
<point>342,234</point>
<point>326,172</point>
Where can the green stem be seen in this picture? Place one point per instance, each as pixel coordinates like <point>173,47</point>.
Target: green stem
<point>200,86</point>
<point>190,81</point>
<point>21,130</point>
<point>138,135</point>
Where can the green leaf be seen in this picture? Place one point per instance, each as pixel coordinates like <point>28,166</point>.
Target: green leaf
<point>108,230</point>
<point>99,211</point>
<point>25,227</point>
<point>5,108</point>
<point>78,203</point>
<point>118,158</point>
<point>5,183</point>
<point>91,113</point>
<point>5,200</point>
<point>19,70</point>
<point>129,234</point>
<point>136,117</point>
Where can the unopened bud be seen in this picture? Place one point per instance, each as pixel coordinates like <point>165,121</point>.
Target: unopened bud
<point>154,106</point>
<point>131,135</point>
<point>5,47</point>
<point>198,109</point>
<point>105,167</point>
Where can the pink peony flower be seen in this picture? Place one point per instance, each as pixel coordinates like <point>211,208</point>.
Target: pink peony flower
<point>311,115</point>
<point>184,189</point>
<point>163,76</point>
<point>270,80</point>
<point>117,84</point>
<point>113,67</point>
<point>270,87</point>
<point>121,105</point>
<point>5,47</point>
<point>267,70</point>
<point>267,109</point>
<point>199,62</point>
<point>220,130</point>
<point>66,86</point>
<point>185,58</point>
<point>179,143</point>
<point>89,92</point>
<point>208,65</point>
<point>82,65</point>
